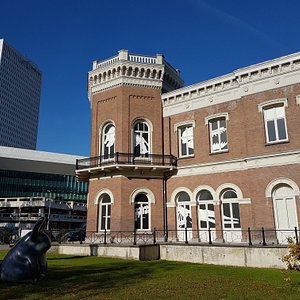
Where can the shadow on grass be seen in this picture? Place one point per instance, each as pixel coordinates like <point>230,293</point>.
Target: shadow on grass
<point>64,258</point>
<point>83,280</point>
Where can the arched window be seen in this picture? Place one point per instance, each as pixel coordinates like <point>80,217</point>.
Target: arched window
<point>104,212</point>
<point>141,212</point>
<point>141,139</point>
<point>108,141</point>
<point>184,214</point>
<point>206,210</point>
<point>230,209</point>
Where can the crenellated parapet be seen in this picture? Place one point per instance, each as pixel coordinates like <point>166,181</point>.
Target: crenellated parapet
<point>127,69</point>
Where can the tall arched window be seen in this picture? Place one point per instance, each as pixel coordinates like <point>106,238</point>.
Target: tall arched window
<point>230,209</point>
<point>104,212</point>
<point>108,141</point>
<point>206,210</point>
<point>141,139</point>
<point>141,212</point>
<point>184,216</point>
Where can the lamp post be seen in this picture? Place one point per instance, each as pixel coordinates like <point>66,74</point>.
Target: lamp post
<point>19,223</point>
<point>49,210</point>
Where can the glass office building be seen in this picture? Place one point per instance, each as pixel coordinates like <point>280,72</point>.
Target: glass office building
<point>35,184</point>
<point>54,186</point>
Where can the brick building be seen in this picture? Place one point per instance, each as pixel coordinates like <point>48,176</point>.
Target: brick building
<point>221,155</point>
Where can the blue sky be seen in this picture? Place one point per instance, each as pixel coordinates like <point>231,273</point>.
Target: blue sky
<point>204,39</point>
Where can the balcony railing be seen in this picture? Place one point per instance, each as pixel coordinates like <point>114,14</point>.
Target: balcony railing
<point>127,159</point>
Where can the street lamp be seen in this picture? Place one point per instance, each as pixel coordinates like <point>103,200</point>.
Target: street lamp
<point>49,210</point>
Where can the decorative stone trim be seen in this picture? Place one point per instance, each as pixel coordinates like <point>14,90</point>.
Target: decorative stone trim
<point>183,123</point>
<point>216,116</point>
<point>262,105</point>
<point>281,180</point>
<point>265,76</point>
<point>102,192</point>
<point>145,191</point>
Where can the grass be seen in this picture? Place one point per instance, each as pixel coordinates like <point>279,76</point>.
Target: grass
<point>73,277</point>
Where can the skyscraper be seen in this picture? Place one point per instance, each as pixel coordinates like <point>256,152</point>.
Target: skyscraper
<point>20,90</point>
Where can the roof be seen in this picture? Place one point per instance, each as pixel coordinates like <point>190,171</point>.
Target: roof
<point>18,159</point>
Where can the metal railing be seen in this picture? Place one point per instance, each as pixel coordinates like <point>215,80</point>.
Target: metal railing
<point>119,158</point>
<point>249,237</point>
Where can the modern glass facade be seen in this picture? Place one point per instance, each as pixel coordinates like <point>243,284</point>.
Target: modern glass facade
<point>27,184</point>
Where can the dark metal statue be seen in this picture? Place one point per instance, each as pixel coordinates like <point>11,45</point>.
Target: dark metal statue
<point>26,261</point>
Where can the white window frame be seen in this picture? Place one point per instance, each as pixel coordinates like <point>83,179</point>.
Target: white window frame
<point>107,215</point>
<point>208,121</point>
<point>189,138</point>
<point>134,133</point>
<point>230,201</point>
<point>103,146</point>
<point>141,205</point>
<point>178,128</point>
<point>272,104</point>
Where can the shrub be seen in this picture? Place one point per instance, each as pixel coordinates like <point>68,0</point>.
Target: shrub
<point>292,259</point>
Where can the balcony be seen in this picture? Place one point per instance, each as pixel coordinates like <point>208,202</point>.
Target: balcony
<point>127,164</point>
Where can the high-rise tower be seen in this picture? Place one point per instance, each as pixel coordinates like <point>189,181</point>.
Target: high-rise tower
<point>20,90</point>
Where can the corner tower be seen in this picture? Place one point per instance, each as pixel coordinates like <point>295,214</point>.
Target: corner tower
<point>128,163</point>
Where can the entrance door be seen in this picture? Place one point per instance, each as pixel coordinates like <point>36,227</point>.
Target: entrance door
<point>285,213</point>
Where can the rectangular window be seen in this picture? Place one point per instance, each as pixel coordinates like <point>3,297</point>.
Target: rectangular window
<point>275,124</point>
<point>218,135</point>
<point>186,141</point>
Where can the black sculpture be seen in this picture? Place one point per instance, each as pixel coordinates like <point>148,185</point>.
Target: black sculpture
<point>26,261</point>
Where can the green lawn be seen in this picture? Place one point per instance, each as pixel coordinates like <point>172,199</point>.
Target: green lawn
<point>71,277</point>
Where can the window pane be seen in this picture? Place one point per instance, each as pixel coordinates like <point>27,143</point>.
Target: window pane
<point>145,216</point>
<point>108,224</point>
<point>102,223</point>
<point>271,131</point>
<point>183,196</point>
<point>203,224</point>
<point>281,129</point>
<point>223,123</point>
<point>226,210</point>
<point>186,140</point>
<point>205,195</point>
<point>108,142</point>
<point>236,215</point>
<point>106,199</point>
<point>141,198</point>
<point>103,210</point>
<point>137,216</point>
<point>229,194</point>
<point>188,221</point>
<point>183,149</point>
<point>223,137</point>
<point>214,125</point>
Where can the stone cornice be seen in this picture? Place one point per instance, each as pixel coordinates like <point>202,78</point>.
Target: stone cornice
<point>126,81</point>
<point>264,76</point>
